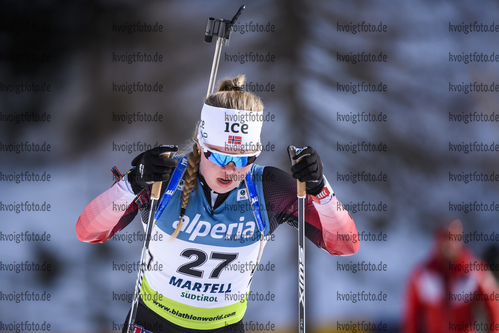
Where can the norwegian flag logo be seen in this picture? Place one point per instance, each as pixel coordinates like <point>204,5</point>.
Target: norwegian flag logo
<point>234,140</point>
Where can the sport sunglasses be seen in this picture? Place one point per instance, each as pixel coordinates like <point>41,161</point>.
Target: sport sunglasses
<point>222,159</point>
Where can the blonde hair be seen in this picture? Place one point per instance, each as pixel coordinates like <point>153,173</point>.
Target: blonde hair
<point>230,95</point>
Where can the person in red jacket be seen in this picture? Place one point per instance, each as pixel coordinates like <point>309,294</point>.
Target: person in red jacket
<point>453,291</point>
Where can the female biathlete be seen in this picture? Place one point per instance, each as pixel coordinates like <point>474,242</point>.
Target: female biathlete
<point>209,222</point>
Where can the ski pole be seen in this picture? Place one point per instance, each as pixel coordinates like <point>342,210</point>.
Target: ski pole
<point>155,194</point>
<point>222,29</point>
<point>301,194</point>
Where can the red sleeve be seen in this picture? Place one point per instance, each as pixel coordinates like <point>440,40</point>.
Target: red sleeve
<point>328,225</point>
<point>338,229</point>
<point>107,214</point>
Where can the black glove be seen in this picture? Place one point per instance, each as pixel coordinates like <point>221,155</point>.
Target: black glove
<point>151,167</point>
<point>309,170</point>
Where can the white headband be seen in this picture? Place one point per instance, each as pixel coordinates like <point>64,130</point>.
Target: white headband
<point>230,128</point>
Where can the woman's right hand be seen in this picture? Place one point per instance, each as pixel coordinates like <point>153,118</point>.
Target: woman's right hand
<point>152,166</point>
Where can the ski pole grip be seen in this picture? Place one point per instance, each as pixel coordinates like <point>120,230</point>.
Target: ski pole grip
<point>156,187</point>
<point>155,190</point>
<point>301,188</point>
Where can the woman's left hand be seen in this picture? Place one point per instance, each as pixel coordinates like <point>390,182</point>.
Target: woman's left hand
<point>309,169</point>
